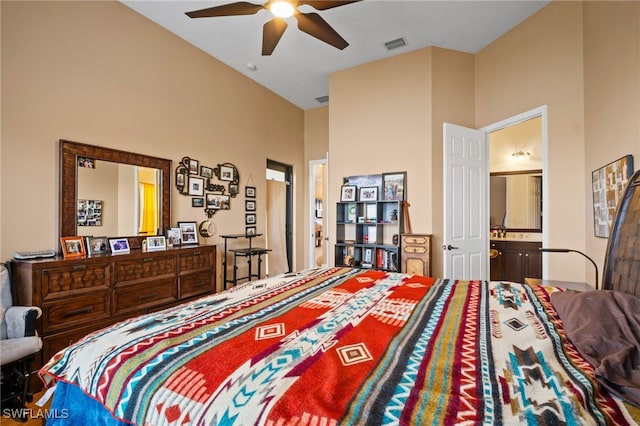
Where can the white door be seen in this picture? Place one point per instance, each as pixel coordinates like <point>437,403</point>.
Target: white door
<point>318,214</point>
<point>466,224</point>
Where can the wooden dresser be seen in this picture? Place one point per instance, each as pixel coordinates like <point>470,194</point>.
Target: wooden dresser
<point>416,254</point>
<point>78,296</point>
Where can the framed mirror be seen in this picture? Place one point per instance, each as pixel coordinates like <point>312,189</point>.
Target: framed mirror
<point>516,200</point>
<point>122,176</point>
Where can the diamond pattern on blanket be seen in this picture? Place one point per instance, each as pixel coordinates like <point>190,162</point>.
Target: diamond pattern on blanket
<point>354,354</point>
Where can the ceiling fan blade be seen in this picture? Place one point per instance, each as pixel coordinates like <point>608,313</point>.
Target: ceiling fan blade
<point>314,25</point>
<point>325,4</point>
<point>271,34</point>
<point>231,9</point>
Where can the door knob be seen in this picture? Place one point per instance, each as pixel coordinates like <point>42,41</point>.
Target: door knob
<point>449,247</point>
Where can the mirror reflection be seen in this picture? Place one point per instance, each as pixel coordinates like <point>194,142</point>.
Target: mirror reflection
<point>117,199</point>
<point>516,200</point>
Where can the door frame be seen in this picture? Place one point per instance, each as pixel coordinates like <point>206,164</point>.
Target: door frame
<point>288,180</point>
<point>312,217</point>
<point>542,112</point>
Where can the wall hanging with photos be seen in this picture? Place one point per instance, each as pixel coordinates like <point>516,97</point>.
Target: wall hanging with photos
<point>211,188</point>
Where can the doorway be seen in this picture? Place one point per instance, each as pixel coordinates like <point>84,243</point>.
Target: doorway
<point>451,194</point>
<point>318,213</point>
<point>279,229</point>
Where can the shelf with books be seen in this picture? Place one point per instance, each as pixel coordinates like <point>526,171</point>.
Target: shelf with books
<point>367,234</point>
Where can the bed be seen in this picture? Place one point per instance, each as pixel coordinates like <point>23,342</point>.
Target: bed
<point>330,346</point>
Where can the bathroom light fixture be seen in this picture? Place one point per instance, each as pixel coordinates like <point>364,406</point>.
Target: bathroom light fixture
<point>563,250</point>
<point>521,155</point>
<point>281,9</point>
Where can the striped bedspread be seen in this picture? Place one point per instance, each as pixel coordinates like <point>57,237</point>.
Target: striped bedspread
<point>338,346</point>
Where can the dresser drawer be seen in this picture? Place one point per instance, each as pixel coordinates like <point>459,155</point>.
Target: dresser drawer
<point>195,284</point>
<point>416,254</point>
<point>72,311</point>
<point>195,260</point>
<point>153,266</point>
<point>75,279</point>
<point>140,296</point>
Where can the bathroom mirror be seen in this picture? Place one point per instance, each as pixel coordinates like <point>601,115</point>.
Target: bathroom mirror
<point>516,200</point>
<point>113,193</point>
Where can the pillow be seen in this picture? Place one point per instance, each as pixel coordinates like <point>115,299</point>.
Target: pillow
<point>604,326</point>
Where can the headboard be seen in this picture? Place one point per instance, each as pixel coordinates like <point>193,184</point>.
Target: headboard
<point>622,261</point>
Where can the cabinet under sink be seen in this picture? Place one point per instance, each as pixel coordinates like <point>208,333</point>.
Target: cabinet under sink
<point>515,260</point>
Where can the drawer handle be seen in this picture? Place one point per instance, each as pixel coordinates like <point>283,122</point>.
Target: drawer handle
<point>147,296</point>
<point>197,253</point>
<point>79,267</point>
<point>148,259</point>
<point>200,284</point>
<point>78,311</point>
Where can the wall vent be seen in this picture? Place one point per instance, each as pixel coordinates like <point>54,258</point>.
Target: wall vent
<point>394,44</point>
<point>323,99</point>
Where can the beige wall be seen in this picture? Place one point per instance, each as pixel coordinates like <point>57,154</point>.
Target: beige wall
<point>612,96</point>
<point>540,62</point>
<point>99,73</point>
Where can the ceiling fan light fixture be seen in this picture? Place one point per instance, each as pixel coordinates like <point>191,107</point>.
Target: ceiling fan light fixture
<point>281,9</point>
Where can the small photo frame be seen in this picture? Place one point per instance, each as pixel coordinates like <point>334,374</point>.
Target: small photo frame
<point>87,162</point>
<point>393,185</point>
<point>233,189</point>
<point>196,185</point>
<point>218,202</point>
<point>97,245</point>
<point>348,193</point>
<point>156,243</point>
<point>250,205</point>
<point>193,166</point>
<point>250,230</point>
<point>119,245</point>
<point>226,173</point>
<point>250,219</point>
<point>250,191</point>
<point>73,246</point>
<point>206,172</point>
<point>188,232</point>
<point>197,202</point>
<point>369,193</point>
<point>173,236</point>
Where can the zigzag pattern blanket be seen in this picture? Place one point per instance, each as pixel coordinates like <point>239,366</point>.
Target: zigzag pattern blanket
<point>339,346</point>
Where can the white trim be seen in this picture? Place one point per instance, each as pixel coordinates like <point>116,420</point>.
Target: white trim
<point>312,216</point>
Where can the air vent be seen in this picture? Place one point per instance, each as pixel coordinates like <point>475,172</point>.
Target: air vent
<point>394,44</point>
<point>323,99</point>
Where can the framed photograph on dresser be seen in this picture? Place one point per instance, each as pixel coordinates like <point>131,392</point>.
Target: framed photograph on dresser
<point>73,246</point>
<point>188,232</point>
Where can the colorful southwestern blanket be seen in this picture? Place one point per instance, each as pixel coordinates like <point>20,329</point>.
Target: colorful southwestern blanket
<point>337,346</point>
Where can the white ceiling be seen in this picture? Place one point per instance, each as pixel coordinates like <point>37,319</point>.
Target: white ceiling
<point>299,68</point>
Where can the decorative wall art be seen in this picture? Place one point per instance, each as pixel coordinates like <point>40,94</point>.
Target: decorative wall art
<point>608,184</point>
<point>212,187</point>
<point>89,212</point>
<point>393,186</point>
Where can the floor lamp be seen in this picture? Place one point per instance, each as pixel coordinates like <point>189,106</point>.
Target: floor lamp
<point>559,250</point>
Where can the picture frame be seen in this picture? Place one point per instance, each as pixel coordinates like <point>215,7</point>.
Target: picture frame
<point>250,219</point>
<point>87,162</point>
<point>73,246</point>
<point>369,193</point>
<point>218,202</point>
<point>119,245</point>
<point>226,173</point>
<point>608,184</point>
<point>206,172</point>
<point>192,166</point>
<point>250,191</point>
<point>173,237</point>
<point>250,230</point>
<point>197,202</point>
<point>156,243</point>
<point>393,186</point>
<point>250,205</point>
<point>196,186</point>
<point>97,245</point>
<point>233,189</point>
<point>188,232</point>
<point>348,193</point>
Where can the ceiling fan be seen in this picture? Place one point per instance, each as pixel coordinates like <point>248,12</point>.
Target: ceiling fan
<point>272,31</point>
